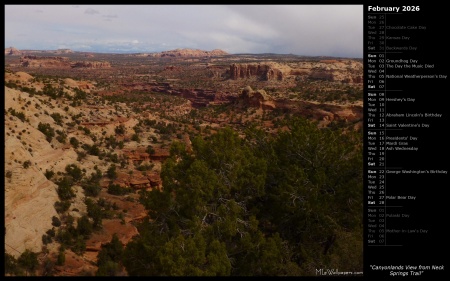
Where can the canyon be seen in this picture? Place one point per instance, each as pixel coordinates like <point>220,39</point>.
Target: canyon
<point>117,115</point>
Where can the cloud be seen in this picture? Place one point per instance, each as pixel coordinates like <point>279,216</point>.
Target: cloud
<point>298,29</point>
<point>91,11</point>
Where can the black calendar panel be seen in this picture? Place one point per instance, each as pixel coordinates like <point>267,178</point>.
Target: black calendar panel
<point>406,145</point>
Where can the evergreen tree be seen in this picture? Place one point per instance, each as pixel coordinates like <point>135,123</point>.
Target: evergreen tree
<point>109,258</point>
<point>28,260</point>
<point>259,205</point>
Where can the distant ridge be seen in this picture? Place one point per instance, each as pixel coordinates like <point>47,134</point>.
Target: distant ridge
<point>177,53</point>
<point>189,53</point>
<point>11,51</point>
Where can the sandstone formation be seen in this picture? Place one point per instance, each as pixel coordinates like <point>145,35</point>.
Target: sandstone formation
<point>82,85</point>
<point>28,213</point>
<point>257,99</point>
<point>323,113</point>
<point>21,76</point>
<point>11,51</point>
<point>264,72</point>
<point>29,195</point>
<point>63,62</point>
<point>344,71</point>
<point>37,61</point>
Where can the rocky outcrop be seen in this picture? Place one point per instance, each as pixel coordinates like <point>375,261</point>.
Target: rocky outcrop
<point>155,180</point>
<point>323,113</point>
<point>20,75</point>
<point>258,99</point>
<point>47,61</point>
<point>37,61</point>
<point>29,196</point>
<point>224,98</point>
<point>218,52</point>
<point>197,97</point>
<point>139,183</point>
<point>64,51</point>
<point>136,157</point>
<point>344,71</point>
<point>160,155</point>
<point>11,51</point>
<point>263,72</point>
<point>91,64</point>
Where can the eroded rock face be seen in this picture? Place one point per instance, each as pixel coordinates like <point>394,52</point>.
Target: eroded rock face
<point>29,195</point>
<point>324,113</point>
<point>344,71</point>
<point>264,72</point>
<point>258,98</point>
<point>28,213</point>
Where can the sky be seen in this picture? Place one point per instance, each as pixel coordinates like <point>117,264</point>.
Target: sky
<point>309,30</point>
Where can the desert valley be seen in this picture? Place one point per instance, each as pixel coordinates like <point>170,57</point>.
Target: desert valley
<point>183,162</point>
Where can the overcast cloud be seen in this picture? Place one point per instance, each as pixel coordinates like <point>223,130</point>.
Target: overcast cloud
<point>312,30</point>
